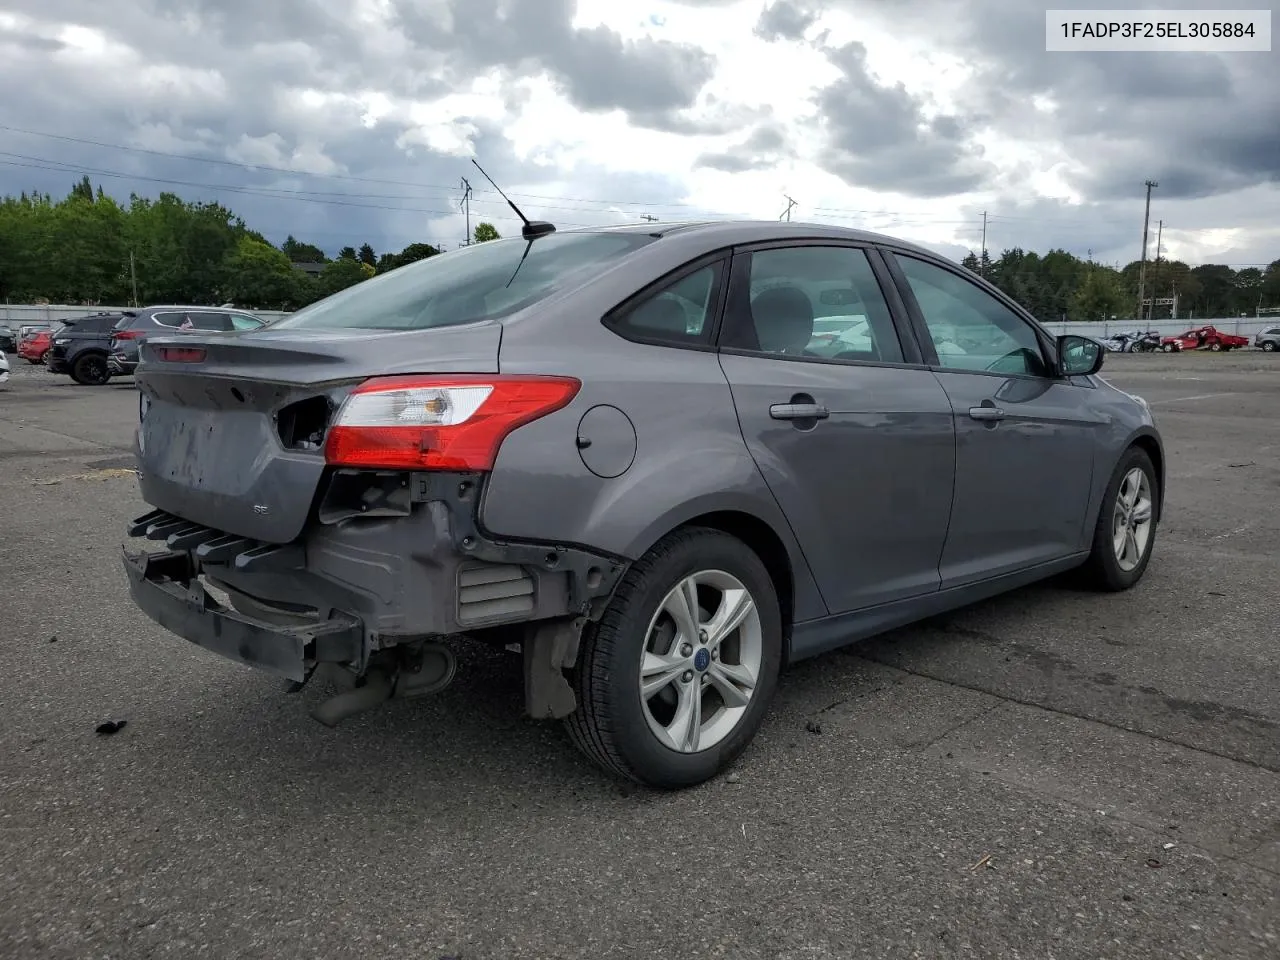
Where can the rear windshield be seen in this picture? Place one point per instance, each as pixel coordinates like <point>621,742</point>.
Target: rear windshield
<point>484,281</point>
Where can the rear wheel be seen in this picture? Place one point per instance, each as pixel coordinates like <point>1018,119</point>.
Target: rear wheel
<point>676,678</point>
<point>1125,533</point>
<point>91,370</point>
<point>1268,346</point>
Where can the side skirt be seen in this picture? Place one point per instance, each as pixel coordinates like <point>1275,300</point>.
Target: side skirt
<point>814,637</point>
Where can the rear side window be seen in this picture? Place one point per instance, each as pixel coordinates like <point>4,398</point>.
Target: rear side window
<point>241,322</point>
<point>484,281</point>
<point>211,321</point>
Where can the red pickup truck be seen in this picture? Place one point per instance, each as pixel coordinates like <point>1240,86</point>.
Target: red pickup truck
<point>1203,338</point>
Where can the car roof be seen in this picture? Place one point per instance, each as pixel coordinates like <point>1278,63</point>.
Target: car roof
<point>734,232</point>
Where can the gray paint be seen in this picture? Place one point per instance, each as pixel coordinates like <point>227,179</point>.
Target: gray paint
<point>897,506</point>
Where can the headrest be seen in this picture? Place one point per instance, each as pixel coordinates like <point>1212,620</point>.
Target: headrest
<point>783,320</point>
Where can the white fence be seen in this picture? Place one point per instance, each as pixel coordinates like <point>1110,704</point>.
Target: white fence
<point>15,314</point>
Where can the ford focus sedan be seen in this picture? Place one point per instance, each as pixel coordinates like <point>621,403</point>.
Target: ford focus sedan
<point>650,458</point>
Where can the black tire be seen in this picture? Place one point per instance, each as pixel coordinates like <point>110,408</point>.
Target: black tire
<point>610,724</point>
<point>1102,570</point>
<point>1268,346</point>
<point>91,370</point>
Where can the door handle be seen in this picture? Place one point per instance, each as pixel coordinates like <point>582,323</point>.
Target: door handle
<point>799,411</point>
<point>986,412</point>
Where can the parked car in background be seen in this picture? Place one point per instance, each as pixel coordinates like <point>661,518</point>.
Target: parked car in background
<point>34,341</point>
<point>524,441</point>
<point>8,338</point>
<point>1203,338</point>
<point>135,326</point>
<point>4,368</point>
<point>81,347</point>
<point>1268,340</point>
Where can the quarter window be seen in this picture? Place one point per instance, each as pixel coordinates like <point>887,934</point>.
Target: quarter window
<point>681,312</point>
<point>970,329</point>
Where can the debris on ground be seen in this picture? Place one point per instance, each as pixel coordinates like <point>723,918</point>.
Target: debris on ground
<point>813,726</point>
<point>110,727</point>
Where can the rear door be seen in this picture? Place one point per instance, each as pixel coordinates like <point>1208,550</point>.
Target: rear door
<point>856,445</point>
<point>1025,440</point>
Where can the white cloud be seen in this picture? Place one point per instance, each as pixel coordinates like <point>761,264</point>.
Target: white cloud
<point>351,88</point>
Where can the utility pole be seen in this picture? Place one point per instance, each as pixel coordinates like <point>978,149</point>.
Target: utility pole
<point>466,205</point>
<point>1142,270</point>
<point>982,264</point>
<point>786,214</point>
<point>133,274</point>
<point>1155,283</point>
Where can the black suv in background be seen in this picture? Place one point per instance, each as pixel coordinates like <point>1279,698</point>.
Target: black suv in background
<point>136,325</point>
<point>80,348</point>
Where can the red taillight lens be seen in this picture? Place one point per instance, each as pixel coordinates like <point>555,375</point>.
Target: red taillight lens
<point>180,354</point>
<point>438,423</point>
<point>125,335</point>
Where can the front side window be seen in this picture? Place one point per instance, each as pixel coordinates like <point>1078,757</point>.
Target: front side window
<point>970,329</point>
<point>240,322</point>
<point>485,281</point>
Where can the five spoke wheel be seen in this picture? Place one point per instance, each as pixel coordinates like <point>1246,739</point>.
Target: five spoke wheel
<point>701,661</point>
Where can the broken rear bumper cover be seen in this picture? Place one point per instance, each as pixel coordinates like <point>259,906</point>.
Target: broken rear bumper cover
<point>166,588</point>
<point>385,573</point>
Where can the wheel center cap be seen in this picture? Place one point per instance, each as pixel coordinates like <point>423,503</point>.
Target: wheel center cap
<point>702,659</point>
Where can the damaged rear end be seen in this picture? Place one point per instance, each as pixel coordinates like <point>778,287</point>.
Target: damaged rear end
<point>315,499</point>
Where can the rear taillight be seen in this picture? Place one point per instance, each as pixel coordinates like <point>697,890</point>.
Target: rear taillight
<point>125,335</point>
<point>180,354</point>
<point>438,423</point>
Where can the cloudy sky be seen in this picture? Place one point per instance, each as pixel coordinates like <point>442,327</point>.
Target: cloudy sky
<point>345,121</point>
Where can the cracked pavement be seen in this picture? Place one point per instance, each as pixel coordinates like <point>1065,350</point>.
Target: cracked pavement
<point>1051,774</point>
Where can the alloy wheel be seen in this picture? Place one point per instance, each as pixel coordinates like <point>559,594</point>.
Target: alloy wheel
<point>701,663</point>
<point>1131,521</point>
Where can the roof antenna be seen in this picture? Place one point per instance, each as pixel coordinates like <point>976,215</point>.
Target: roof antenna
<point>532,229</point>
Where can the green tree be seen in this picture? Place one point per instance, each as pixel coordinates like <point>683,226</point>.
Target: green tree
<point>347,253</point>
<point>484,232</point>
<point>340,274</point>
<point>1100,296</point>
<point>257,275</point>
<point>366,255</point>
<point>414,251</point>
<point>299,252</point>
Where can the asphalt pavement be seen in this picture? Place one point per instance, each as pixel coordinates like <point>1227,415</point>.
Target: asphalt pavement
<point>1052,774</point>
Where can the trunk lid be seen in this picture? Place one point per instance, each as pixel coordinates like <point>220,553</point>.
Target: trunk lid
<point>236,441</point>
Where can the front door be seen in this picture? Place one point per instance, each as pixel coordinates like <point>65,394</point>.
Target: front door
<point>856,444</point>
<point>1025,439</point>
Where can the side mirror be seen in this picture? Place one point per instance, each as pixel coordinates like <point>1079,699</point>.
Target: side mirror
<point>1079,356</point>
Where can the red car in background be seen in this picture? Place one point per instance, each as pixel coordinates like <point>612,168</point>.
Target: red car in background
<point>1202,338</point>
<point>34,344</point>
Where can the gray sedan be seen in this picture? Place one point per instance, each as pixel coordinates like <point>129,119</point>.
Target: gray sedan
<point>664,461</point>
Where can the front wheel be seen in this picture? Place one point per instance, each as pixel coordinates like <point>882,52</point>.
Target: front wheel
<point>676,678</point>
<point>1268,346</point>
<point>1125,533</point>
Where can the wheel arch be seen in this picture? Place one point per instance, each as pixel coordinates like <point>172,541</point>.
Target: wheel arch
<point>1149,444</point>
<point>798,597</point>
